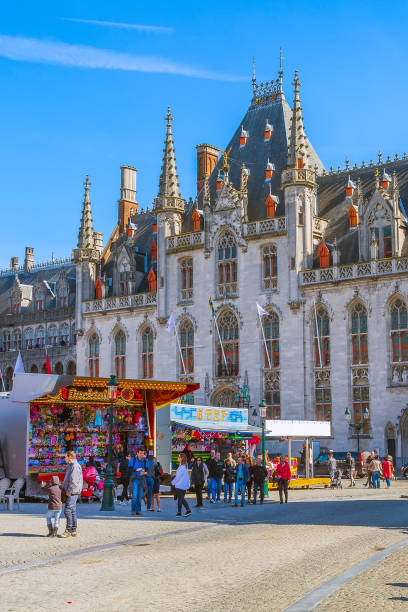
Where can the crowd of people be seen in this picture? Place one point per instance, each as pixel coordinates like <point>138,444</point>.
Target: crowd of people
<point>374,467</point>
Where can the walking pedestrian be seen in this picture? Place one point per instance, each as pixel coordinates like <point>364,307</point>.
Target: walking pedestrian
<point>283,475</point>
<point>351,466</point>
<point>124,470</point>
<point>150,476</point>
<point>138,480</point>
<point>248,484</point>
<point>229,476</point>
<point>199,473</point>
<point>72,485</point>
<point>241,478</point>
<point>258,474</point>
<point>156,486</point>
<point>376,471</point>
<point>212,474</point>
<point>369,481</point>
<point>219,472</point>
<point>181,484</point>
<point>387,469</point>
<point>54,505</point>
<point>332,464</point>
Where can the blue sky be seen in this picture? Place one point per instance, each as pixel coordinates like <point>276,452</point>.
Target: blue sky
<point>80,97</point>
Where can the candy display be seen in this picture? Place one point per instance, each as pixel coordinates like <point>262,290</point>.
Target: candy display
<point>54,429</point>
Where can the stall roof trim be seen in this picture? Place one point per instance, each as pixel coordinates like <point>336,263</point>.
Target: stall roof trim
<point>230,428</point>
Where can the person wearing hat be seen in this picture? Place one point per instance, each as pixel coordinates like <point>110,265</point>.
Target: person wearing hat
<point>351,465</point>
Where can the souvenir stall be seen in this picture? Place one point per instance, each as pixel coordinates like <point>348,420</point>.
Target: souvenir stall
<point>204,428</point>
<point>74,417</point>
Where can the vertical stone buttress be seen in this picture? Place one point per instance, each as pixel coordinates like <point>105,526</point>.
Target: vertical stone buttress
<point>169,208</point>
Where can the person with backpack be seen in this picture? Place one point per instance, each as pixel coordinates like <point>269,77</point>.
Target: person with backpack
<point>53,489</point>
<point>229,477</point>
<point>138,480</point>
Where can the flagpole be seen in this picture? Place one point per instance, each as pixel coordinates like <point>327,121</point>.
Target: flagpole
<point>318,335</point>
<point>2,380</point>
<point>179,348</point>
<point>264,339</point>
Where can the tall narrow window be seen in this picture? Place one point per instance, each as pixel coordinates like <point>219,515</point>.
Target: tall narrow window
<point>147,353</point>
<point>6,341</point>
<point>64,335</point>
<point>120,354</point>
<point>271,332</point>
<point>272,394</point>
<point>322,338</point>
<point>186,271</point>
<point>227,265</point>
<point>270,267</point>
<point>17,340</point>
<point>323,403</point>
<point>40,337</point>
<point>399,331</point>
<point>52,335</point>
<point>361,406</point>
<point>28,338</point>
<point>94,356</point>
<point>359,335</point>
<point>186,330</point>
<point>387,241</point>
<point>228,349</point>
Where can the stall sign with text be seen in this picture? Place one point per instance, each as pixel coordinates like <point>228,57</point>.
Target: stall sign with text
<point>208,415</point>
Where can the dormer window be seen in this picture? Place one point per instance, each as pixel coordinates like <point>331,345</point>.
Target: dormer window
<point>353,216</point>
<point>299,162</point>
<point>324,256</point>
<point>270,167</point>
<point>350,187</point>
<point>271,204</point>
<point>196,217</point>
<point>220,180</point>
<point>268,131</point>
<point>243,137</point>
<point>387,241</point>
<point>385,181</point>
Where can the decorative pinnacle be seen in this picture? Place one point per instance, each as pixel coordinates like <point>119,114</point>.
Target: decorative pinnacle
<point>297,140</point>
<point>253,75</point>
<point>169,193</point>
<point>85,234</point>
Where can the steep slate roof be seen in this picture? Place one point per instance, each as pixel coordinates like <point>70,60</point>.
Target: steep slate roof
<point>332,204</point>
<point>28,279</point>
<point>255,154</point>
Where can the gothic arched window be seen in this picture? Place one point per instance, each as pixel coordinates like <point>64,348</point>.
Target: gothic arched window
<point>17,340</point>
<point>120,354</point>
<point>270,267</point>
<point>228,349</point>
<point>186,278</point>
<point>94,356</point>
<point>322,338</point>
<point>271,333</point>
<point>227,264</point>
<point>53,335</point>
<point>6,341</point>
<point>28,338</point>
<point>399,331</point>
<point>39,337</point>
<point>147,353</point>
<point>186,330</point>
<point>359,340</point>
<point>124,278</point>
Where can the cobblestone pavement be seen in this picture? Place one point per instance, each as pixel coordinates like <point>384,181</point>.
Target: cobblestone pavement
<point>221,558</point>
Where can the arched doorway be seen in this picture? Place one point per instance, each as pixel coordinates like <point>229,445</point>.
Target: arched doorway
<point>71,368</point>
<point>224,398</point>
<point>390,441</point>
<point>34,369</point>
<point>59,368</point>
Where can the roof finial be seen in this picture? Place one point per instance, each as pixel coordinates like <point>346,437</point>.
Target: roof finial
<point>85,234</point>
<point>280,70</point>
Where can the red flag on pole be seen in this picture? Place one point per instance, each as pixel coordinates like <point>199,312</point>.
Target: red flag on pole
<point>47,363</point>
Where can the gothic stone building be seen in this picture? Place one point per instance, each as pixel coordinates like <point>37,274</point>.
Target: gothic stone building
<point>37,309</point>
<point>324,253</point>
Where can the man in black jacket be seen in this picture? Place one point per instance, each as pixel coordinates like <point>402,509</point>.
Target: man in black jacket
<point>258,475</point>
<point>212,475</point>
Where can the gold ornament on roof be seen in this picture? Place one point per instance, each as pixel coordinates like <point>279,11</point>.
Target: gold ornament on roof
<point>225,164</point>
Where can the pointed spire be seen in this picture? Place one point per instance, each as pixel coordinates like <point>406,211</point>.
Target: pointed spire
<point>297,150</point>
<point>85,234</point>
<point>169,192</point>
<point>280,73</point>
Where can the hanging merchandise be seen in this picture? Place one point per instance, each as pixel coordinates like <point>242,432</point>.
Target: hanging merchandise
<point>98,418</point>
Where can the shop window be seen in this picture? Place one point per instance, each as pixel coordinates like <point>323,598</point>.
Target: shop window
<point>323,403</point>
<point>359,338</point>
<point>270,267</point>
<point>271,333</point>
<point>186,274</point>
<point>227,265</point>
<point>322,338</point>
<point>147,353</point>
<point>186,332</point>
<point>120,354</point>
<point>94,356</point>
<point>399,331</point>
<point>228,351</point>
<point>272,400</point>
<point>361,405</point>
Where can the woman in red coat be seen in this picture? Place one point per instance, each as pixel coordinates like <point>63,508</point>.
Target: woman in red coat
<point>282,473</point>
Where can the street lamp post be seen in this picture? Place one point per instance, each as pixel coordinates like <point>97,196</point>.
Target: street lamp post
<point>107,499</point>
<point>356,426</point>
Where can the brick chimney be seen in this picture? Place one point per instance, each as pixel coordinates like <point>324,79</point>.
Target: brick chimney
<point>28,259</point>
<point>207,157</point>
<point>127,196</point>
<point>14,264</point>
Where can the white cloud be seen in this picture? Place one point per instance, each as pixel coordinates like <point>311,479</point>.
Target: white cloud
<point>124,26</point>
<point>40,51</point>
